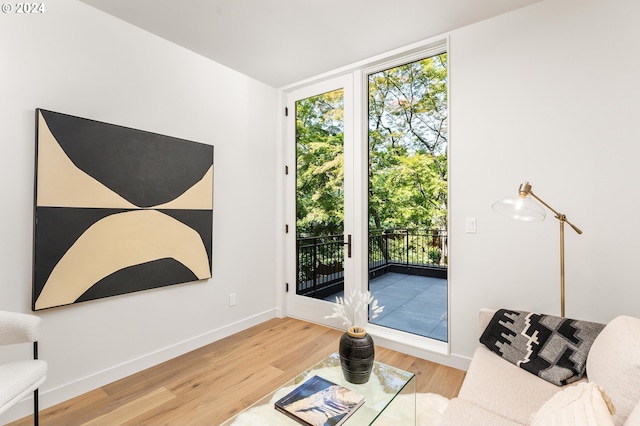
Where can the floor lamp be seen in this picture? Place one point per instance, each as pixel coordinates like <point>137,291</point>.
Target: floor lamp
<point>523,207</point>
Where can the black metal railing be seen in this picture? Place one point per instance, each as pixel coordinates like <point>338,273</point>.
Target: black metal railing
<point>321,259</point>
<point>408,247</point>
<point>320,264</point>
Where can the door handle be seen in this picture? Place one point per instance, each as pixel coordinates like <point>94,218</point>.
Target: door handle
<point>348,244</point>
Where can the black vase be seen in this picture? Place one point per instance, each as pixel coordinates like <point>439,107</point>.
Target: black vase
<point>356,355</point>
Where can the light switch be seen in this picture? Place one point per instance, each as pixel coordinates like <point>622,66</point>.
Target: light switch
<point>471,225</point>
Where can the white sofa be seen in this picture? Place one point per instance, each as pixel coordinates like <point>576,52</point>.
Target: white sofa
<point>496,392</point>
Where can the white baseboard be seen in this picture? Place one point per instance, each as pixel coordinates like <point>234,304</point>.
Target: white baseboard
<point>70,390</point>
<point>450,360</point>
<point>420,347</point>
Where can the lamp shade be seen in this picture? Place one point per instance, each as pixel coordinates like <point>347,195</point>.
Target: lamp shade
<point>520,207</point>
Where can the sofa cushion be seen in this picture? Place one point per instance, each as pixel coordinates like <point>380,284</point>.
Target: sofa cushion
<point>583,404</point>
<point>553,348</point>
<point>634,418</point>
<point>614,364</point>
<point>501,387</point>
<point>460,412</point>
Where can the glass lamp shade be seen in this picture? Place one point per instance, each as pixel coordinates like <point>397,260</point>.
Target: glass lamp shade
<point>520,207</point>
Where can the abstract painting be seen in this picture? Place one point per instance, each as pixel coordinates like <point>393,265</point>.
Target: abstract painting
<point>117,210</point>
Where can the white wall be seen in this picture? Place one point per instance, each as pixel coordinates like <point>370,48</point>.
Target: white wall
<point>77,60</point>
<point>546,94</point>
<point>549,94</point>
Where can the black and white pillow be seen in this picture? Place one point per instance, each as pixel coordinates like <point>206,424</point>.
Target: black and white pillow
<point>553,348</point>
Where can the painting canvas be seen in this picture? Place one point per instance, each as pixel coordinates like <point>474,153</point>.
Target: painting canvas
<point>117,210</point>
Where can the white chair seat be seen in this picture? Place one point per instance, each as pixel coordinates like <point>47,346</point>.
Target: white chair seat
<point>19,379</point>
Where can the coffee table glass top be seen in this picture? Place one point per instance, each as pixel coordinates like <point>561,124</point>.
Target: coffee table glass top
<point>389,396</point>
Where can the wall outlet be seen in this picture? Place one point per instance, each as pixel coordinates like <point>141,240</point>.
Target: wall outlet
<point>232,299</point>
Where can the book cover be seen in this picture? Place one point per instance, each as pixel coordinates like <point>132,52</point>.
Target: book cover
<point>320,402</point>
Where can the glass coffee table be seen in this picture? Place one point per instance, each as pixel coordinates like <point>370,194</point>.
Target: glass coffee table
<point>390,397</point>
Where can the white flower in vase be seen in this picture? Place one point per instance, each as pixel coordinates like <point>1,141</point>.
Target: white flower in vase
<point>354,310</point>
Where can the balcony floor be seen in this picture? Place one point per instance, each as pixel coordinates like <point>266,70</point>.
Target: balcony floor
<point>412,303</point>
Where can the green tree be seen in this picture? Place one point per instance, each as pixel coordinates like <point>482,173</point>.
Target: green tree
<point>408,145</point>
<point>407,152</point>
<point>320,164</point>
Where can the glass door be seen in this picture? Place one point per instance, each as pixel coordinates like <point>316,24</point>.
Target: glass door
<point>367,197</point>
<point>408,195</point>
<point>320,243</point>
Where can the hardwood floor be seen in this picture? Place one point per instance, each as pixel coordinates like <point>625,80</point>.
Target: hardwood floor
<point>215,382</point>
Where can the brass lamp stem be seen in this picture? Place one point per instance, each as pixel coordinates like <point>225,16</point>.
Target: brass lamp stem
<point>526,189</point>
<point>562,221</point>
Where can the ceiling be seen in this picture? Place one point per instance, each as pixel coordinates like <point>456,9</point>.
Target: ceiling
<point>280,42</point>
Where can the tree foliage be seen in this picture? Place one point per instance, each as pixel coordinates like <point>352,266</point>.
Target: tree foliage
<point>408,145</point>
<point>407,152</point>
<point>320,164</point>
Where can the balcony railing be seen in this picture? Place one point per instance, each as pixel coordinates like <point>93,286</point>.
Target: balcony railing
<point>321,259</point>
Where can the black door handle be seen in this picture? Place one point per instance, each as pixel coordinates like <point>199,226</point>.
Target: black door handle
<point>348,244</point>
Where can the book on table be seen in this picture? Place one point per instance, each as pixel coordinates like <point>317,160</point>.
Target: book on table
<point>320,402</point>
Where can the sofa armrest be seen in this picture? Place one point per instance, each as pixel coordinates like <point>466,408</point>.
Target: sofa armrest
<point>18,328</point>
<point>484,319</point>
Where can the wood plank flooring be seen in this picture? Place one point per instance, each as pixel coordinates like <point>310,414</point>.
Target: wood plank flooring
<point>211,384</point>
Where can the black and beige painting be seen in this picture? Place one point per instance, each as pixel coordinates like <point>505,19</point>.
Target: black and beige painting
<point>118,210</point>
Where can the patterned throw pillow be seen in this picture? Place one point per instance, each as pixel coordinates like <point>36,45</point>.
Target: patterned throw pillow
<point>553,348</point>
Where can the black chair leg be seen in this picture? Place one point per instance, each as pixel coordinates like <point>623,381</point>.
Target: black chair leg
<point>36,411</point>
